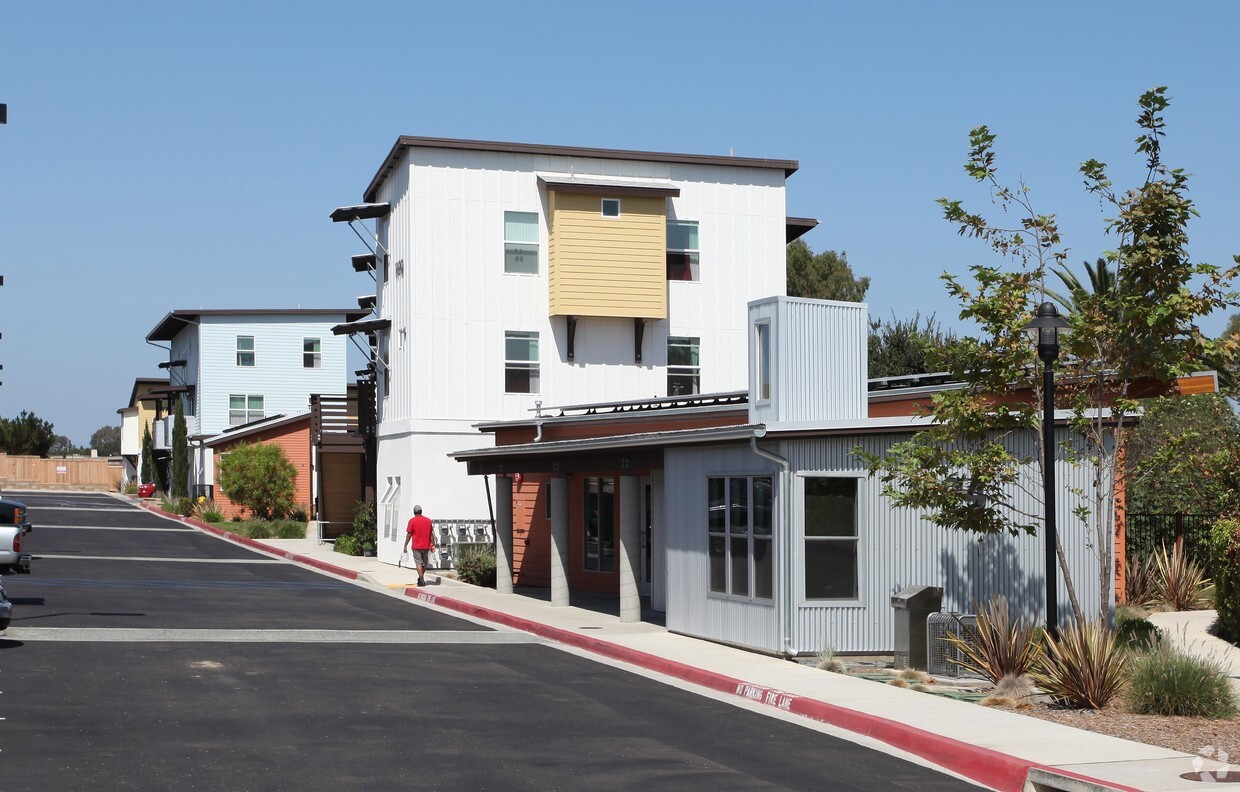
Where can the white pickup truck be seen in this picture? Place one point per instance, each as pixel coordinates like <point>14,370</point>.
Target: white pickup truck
<point>14,528</point>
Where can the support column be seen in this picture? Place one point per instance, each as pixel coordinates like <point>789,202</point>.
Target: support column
<point>630,549</point>
<point>503,535</point>
<point>558,493</point>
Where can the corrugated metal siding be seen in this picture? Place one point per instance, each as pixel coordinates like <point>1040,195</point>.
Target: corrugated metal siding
<point>897,548</point>
<point>820,365</point>
<point>690,609</point>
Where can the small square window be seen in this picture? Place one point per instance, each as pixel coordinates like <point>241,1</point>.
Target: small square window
<point>311,353</point>
<point>245,351</point>
<point>611,207</point>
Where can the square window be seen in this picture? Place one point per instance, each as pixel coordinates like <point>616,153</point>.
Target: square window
<point>682,250</point>
<point>245,351</point>
<point>521,362</point>
<point>521,243</point>
<point>244,408</point>
<point>611,207</point>
<point>684,373</point>
<point>311,353</point>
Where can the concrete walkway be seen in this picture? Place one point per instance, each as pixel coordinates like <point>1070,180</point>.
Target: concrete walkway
<point>998,749</point>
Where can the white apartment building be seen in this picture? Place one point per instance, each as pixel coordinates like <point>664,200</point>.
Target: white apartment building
<point>512,275</point>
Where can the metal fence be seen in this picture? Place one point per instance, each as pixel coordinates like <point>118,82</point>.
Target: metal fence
<point>1147,533</point>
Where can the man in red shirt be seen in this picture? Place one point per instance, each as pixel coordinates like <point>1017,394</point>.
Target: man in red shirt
<point>421,534</point>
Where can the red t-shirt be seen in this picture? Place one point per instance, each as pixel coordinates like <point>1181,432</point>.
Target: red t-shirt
<point>421,531</point>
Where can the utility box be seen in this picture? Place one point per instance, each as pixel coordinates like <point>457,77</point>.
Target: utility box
<point>913,607</point>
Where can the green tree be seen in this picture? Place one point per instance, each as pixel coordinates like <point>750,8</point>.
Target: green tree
<point>146,472</point>
<point>180,454</point>
<point>964,470</point>
<point>260,478</point>
<point>900,347</point>
<point>28,435</point>
<point>822,276</point>
<point>106,440</point>
<point>62,446</point>
<point>1184,456</point>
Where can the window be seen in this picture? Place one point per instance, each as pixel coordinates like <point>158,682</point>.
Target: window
<point>611,207</point>
<point>762,361</point>
<point>521,243</point>
<point>739,526</point>
<point>391,503</point>
<point>520,362</point>
<point>684,375</point>
<point>600,524</point>
<point>245,351</point>
<point>682,250</point>
<point>311,353</point>
<point>386,361</point>
<point>243,408</point>
<point>830,538</point>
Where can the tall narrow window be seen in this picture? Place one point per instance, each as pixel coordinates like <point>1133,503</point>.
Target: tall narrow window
<point>520,362</point>
<point>762,360</point>
<point>739,536</point>
<point>684,374</point>
<point>243,408</point>
<point>521,243</point>
<point>311,353</point>
<point>599,524</point>
<point>830,538</point>
<point>682,250</point>
<point>385,361</point>
<point>245,351</point>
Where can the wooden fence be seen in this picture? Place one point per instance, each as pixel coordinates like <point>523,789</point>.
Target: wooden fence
<point>82,473</point>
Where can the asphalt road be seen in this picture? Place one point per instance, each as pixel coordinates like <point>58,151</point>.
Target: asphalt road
<point>194,664</point>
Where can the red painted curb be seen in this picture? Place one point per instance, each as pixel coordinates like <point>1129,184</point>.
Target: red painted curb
<point>986,766</point>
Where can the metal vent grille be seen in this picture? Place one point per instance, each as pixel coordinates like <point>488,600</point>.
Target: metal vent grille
<point>940,652</point>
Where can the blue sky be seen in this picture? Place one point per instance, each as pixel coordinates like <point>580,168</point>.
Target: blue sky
<point>164,156</point>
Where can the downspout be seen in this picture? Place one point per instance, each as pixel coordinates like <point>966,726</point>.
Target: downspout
<point>538,423</point>
<point>785,510</point>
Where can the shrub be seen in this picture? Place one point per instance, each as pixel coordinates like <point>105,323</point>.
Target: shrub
<point>300,514</point>
<point>1225,560</point>
<point>477,566</point>
<point>131,488</point>
<point>1139,582</point>
<point>348,544</point>
<point>208,511</point>
<point>259,478</point>
<point>1170,682</point>
<point>364,526</point>
<point>1135,632</point>
<point>1083,668</point>
<point>1000,646</point>
<point>1180,582</point>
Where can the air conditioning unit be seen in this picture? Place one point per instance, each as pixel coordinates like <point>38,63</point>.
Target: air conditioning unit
<point>941,653</point>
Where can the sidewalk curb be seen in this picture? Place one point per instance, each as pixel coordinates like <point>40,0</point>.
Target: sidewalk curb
<point>985,766</point>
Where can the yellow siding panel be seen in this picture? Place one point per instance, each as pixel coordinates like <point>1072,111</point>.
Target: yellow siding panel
<point>607,266</point>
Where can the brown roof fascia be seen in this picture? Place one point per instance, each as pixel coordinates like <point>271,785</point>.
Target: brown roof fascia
<point>789,167</point>
<point>797,227</point>
<point>175,321</point>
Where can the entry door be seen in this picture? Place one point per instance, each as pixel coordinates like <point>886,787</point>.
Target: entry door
<point>645,513</point>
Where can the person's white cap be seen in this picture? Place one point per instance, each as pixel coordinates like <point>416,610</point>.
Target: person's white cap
<point>417,509</point>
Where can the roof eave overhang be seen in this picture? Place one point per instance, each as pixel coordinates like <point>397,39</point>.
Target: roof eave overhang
<point>366,211</point>
<point>797,227</point>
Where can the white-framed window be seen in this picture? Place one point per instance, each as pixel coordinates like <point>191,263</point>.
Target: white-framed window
<point>245,351</point>
<point>521,361</point>
<point>762,360</point>
<point>243,408</point>
<point>521,243</point>
<point>739,527</point>
<point>831,537</point>
<point>611,207</point>
<point>683,255</point>
<point>311,353</point>
<point>684,372</point>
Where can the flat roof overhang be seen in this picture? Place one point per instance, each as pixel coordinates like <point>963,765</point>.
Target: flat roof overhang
<point>366,211</point>
<point>176,321</point>
<point>368,326</point>
<point>797,227</point>
<point>596,186</point>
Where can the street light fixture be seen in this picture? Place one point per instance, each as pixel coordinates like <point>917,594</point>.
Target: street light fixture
<point>1047,325</point>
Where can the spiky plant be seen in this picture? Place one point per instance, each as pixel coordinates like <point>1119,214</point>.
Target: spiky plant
<point>1139,583</point>
<point>1000,645</point>
<point>829,661</point>
<point>1084,667</point>
<point>1180,582</point>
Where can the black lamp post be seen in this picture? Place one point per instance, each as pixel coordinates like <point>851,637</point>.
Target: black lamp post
<point>1047,324</point>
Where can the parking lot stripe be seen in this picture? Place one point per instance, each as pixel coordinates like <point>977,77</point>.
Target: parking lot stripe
<point>130,635</point>
<point>48,526</point>
<point>174,560</point>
